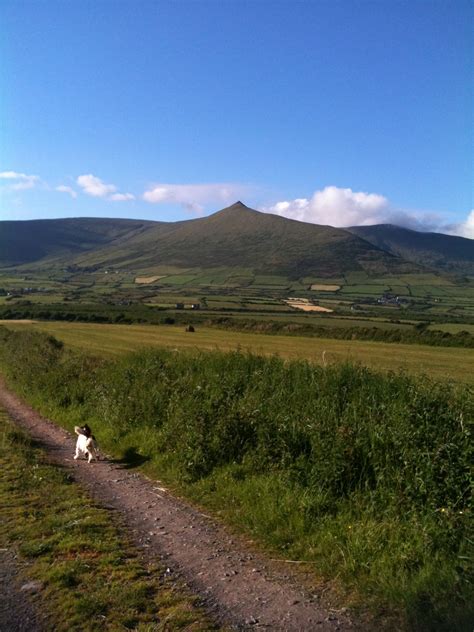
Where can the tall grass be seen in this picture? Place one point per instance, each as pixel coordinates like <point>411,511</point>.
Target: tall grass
<point>366,474</point>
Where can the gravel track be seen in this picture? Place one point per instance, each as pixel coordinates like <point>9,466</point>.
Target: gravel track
<point>239,587</point>
<point>17,612</point>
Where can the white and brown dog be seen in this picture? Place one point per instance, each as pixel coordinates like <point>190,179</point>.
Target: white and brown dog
<point>85,444</point>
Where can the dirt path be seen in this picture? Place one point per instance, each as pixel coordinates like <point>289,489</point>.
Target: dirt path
<point>17,613</point>
<point>239,587</point>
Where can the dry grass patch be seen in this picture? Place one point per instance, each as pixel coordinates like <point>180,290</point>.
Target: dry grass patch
<point>305,305</point>
<point>149,279</point>
<point>325,288</point>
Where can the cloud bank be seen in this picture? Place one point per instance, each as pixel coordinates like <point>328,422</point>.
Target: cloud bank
<point>342,207</point>
<point>337,207</point>
<point>194,197</point>
<point>465,229</point>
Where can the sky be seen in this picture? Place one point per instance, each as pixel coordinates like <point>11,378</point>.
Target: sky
<point>334,112</point>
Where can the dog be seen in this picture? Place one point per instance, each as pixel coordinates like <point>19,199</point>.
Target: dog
<point>85,444</point>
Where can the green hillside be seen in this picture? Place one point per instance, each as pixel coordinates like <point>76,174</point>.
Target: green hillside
<point>445,252</point>
<point>58,239</point>
<point>236,237</point>
<point>240,237</point>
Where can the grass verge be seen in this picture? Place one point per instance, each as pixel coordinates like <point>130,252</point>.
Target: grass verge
<point>91,575</point>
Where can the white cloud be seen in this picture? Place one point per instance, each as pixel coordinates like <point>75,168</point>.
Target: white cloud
<point>21,181</point>
<point>195,196</point>
<point>464,229</point>
<point>340,207</point>
<point>336,207</point>
<point>64,189</point>
<point>121,197</point>
<point>94,186</point>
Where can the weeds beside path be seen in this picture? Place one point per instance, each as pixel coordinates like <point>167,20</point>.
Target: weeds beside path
<point>239,587</point>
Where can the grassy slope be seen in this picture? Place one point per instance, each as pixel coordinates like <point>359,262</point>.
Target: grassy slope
<point>442,251</point>
<point>442,363</point>
<point>236,237</point>
<point>59,239</point>
<point>243,238</point>
<point>91,575</point>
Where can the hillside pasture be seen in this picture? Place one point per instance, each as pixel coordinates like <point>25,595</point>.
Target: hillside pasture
<point>365,289</point>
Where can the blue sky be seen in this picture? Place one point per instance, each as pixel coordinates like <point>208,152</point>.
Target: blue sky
<point>333,112</point>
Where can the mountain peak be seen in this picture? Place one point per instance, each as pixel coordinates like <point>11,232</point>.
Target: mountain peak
<point>239,206</point>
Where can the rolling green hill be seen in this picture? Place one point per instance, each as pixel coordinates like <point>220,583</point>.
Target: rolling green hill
<point>243,238</point>
<point>57,240</point>
<point>443,252</point>
<point>235,237</point>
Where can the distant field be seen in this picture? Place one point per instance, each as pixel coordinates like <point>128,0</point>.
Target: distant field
<point>241,293</point>
<point>453,328</point>
<point>148,279</point>
<point>305,306</point>
<point>365,289</point>
<point>178,279</point>
<point>325,288</point>
<point>442,363</point>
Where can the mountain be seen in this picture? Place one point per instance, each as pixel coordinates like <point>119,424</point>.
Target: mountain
<point>236,236</point>
<point>241,237</point>
<point>443,252</point>
<point>50,240</point>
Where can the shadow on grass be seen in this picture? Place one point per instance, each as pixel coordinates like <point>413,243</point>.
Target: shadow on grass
<point>424,617</point>
<point>131,458</point>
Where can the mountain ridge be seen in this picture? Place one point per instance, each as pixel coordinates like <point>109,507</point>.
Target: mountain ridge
<point>449,253</point>
<point>235,236</point>
<point>240,237</point>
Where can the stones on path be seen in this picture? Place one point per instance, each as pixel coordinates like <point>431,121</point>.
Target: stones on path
<point>32,587</point>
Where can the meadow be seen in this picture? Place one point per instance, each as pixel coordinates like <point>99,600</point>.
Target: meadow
<point>364,474</point>
<point>451,363</point>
